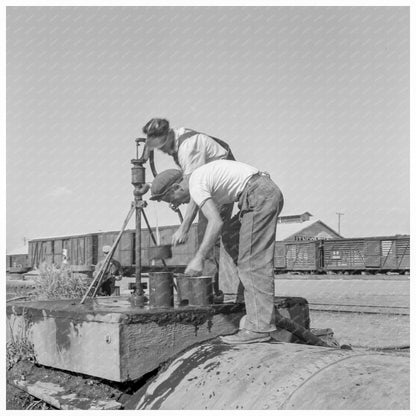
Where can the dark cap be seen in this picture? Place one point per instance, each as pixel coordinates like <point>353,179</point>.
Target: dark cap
<point>163,181</point>
<point>157,130</point>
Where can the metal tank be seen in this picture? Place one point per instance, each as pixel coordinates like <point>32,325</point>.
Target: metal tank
<point>278,376</point>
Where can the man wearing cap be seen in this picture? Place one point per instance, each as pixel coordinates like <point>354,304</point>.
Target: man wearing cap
<point>260,202</point>
<point>113,273</point>
<point>190,150</point>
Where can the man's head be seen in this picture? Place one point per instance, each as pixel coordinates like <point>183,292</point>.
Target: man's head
<point>170,186</point>
<point>159,135</point>
<point>106,249</point>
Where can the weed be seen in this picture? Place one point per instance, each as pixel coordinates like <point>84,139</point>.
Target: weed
<point>19,350</point>
<point>19,347</point>
<point>59,283</point>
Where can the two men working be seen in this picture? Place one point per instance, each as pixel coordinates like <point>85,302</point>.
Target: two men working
<point>216,184</point>
<point>190,150</point>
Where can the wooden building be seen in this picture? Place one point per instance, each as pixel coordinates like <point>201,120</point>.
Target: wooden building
<point>303,227</point>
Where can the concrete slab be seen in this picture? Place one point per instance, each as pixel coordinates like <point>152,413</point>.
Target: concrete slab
<point>108,338</point>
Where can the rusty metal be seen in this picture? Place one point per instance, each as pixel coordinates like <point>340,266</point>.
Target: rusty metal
<point>140,188</point>
<point>201,293</point>
<point>161,289</point>
<point>183,289</point>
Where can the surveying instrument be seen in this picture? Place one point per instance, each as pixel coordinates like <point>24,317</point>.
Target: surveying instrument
<point>138,175</point>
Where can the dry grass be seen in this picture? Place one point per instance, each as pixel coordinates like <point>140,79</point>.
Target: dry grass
<point>19,347</point>
<point>19,350</point>
<point>59,283</point>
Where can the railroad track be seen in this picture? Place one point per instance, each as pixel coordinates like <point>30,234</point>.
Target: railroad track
<point>363,309</point>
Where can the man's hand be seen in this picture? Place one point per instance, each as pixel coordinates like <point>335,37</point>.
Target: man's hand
<point>195,266</point>
<point>179,237</point>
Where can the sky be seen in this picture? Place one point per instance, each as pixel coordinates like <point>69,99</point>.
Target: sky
<point>316,96</point>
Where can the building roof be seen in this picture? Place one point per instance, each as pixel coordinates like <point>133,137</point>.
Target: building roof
<point>285,230</point>
<point>19,250</point>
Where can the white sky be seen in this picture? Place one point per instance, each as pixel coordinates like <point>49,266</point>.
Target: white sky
<point>318,97</point>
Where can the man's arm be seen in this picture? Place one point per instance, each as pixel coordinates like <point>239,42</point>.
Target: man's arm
<point>212,231</point>
<point>181,234</point>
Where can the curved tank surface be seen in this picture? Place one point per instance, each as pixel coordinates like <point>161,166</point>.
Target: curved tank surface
<point>278,376</point>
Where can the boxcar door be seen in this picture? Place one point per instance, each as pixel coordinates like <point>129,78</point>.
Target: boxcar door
<point>57,252</point>
<point>290,256</point>
<point>372,253</point>
<point>403,253</point>
<point>279,255</point>
<point>388,254</point>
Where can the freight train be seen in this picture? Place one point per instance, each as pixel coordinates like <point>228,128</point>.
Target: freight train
<point>344,255</point>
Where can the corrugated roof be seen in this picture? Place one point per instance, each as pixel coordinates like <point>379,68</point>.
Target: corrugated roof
<point>285,230</point>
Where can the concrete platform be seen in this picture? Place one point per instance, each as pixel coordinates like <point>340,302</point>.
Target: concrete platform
<point>108,338</point>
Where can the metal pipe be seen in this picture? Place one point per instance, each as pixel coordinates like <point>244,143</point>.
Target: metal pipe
<point>139,288</point>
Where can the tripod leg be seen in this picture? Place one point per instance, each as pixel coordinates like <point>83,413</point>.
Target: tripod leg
<point>98,278</point>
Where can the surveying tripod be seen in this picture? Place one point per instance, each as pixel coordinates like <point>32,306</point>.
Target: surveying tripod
<point>140,188</point>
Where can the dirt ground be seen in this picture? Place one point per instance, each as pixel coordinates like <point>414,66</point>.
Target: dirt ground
<point>88,387</point>
<point>384,331</point>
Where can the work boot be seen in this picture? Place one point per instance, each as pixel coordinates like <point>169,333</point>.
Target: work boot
<point>245,336</point>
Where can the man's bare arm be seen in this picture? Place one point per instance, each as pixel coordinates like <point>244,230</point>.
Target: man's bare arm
<point>181,234</point>
<point>209,209</point>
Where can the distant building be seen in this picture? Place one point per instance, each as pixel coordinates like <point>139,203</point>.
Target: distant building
<point>16,260</point>
<point>303,227</point>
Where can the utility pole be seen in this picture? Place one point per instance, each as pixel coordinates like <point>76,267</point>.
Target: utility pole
<point>339,221</point>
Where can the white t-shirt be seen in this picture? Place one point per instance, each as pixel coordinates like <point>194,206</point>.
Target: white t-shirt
<point>197,150</point>
<point>221,180</point>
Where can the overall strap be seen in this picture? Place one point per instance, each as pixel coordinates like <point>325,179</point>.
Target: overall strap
<point>192,133</point>
<point>181,139</point>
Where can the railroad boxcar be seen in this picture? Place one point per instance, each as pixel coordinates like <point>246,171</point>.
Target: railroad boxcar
<point>81,250</point>
<point>300,256</point>
<point>17,263</point>
<point>85,250</point>
<point>372,254</point>
<point>126,250</point>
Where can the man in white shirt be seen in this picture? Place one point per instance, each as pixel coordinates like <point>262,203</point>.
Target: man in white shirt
<point>190,150</point>
<point>260,202</point>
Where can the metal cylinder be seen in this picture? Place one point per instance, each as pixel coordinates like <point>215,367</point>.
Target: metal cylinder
<point>184,289</point>
<point>138,176</point>
<point>200,291</point>
<point>279,377</point>
<point>161,289</point>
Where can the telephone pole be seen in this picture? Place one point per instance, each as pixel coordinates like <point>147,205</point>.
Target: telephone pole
<point>339,221</point>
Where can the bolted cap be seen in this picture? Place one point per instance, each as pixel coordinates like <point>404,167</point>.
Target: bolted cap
<point>106,249</point>
<point>163,181</point>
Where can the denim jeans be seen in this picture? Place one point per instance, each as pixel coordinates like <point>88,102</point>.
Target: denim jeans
<point>260,204</point>
<point>212,261</point>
